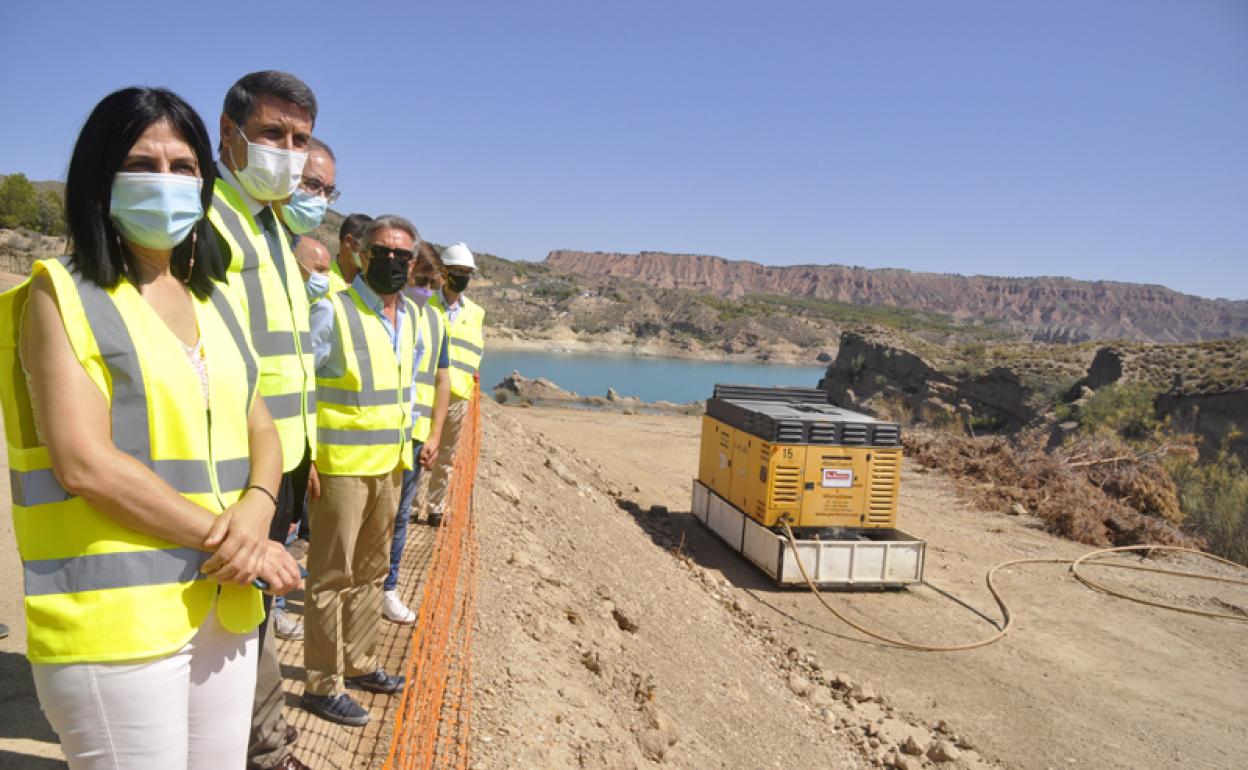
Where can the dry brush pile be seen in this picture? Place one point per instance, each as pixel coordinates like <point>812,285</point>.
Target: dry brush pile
<point>1098,491</point>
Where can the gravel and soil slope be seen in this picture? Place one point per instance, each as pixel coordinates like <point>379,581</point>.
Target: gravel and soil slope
<point>1083,681</point>
<point>600,646</point>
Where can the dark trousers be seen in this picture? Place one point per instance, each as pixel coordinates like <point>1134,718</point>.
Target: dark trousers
<point>267,746</point>
<point>407,496</point>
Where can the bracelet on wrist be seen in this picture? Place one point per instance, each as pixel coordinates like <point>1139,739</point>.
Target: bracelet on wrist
<point>266,492</point>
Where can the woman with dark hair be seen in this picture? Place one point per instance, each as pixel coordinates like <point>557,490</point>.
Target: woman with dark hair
<point>143,461</point>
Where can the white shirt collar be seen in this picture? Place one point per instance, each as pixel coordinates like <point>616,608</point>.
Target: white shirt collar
<point>253,206</point>
<point>449,305</point>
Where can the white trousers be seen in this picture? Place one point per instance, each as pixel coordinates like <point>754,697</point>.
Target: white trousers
<point>191,709</point>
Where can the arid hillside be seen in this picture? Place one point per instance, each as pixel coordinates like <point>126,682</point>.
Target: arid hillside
<point>1058,309</point>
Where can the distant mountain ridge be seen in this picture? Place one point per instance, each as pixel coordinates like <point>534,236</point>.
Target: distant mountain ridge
<point>1049,308</point>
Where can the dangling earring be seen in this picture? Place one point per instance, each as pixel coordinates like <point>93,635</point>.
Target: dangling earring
<point>191,265</point>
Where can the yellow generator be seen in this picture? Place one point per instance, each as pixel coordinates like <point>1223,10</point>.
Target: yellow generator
<point>833,475</point>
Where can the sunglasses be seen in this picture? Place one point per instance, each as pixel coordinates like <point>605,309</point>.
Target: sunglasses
<point>425,281</point>
<point>385,252</point>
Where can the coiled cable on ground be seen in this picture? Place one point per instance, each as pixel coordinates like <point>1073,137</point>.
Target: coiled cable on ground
<point>1007,618</point>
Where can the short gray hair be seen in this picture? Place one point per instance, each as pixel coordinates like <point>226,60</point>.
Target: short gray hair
<point>391,222</point>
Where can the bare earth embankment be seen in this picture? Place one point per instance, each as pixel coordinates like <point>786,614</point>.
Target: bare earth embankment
<point>1083,681</point>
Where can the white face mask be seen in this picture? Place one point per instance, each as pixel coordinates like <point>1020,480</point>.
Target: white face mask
<point>272,173</point>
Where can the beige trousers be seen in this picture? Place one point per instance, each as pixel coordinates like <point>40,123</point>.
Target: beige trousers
<point>348,556</point>
<point>440,476</point>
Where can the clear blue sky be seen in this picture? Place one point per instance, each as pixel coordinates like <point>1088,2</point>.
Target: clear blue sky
<point>1091,138</point>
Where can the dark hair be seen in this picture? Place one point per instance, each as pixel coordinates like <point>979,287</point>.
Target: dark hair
<point>240,100</point>
<point>353,226</point>
<point>427,254</point>
<point>97,252</point>
<point>317,144</point>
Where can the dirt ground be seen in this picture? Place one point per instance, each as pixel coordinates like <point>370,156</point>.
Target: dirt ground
<point>1084,680</point>
<point>614,635</point>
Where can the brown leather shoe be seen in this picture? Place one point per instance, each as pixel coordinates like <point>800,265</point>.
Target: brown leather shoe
<point>290,763</point>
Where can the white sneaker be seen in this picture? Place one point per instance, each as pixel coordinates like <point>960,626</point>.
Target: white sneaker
<point>394,610</point>
<point>286,625</point>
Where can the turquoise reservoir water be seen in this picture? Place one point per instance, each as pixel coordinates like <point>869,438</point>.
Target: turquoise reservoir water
<point>650,379</point>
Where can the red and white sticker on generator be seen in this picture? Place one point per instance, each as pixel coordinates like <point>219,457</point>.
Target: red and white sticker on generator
<point>838,478</point>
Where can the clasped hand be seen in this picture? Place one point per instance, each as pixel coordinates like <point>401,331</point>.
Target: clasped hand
<point>243,550</point>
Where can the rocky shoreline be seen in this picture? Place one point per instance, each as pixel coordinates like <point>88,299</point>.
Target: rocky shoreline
<point>518,390</point>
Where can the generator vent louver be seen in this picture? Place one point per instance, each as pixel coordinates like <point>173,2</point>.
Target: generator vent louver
<point>786,485</point>
<point>886,435</point>
<point>823,433</point>
<point>881,496</point>
<point>853,434</point>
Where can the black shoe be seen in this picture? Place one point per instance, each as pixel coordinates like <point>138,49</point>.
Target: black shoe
<point>378,681</point>
<point>435,519</point>
<point>340,708</point>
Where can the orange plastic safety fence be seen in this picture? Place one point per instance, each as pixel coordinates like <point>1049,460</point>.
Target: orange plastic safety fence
<point>434,720</point>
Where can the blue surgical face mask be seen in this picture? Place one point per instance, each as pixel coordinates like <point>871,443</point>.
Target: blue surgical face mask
<point>317,286</point>
<point>156,210</point>
<point>304,211</point>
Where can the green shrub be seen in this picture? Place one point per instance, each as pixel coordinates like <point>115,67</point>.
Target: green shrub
<point>1214,495</point>
<point>1126,409</point>
<point>19,202</point>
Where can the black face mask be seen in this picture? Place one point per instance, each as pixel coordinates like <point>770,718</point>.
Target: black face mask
<point>457,283</point>
<point>386,276</point>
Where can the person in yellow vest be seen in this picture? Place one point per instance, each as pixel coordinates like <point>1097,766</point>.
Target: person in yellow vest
<point>138,447</point>
<point>431,390</point>
<point>347,264</point>
<point>466,320</point>
<point>302,213</point>
<point>266,131</point>
<point>365,342</point>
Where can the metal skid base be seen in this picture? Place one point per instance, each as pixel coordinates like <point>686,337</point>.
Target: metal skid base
<point>881,558</point>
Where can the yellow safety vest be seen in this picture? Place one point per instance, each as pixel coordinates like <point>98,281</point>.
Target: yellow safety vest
<point>364,415</point>
<point>96,590</point>
<point>271,292</point>
<point>432,324</point>
<point>336,284</point>
<point>467,344</point>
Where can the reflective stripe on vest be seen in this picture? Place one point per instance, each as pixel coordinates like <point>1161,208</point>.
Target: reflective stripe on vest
<point>190,477</point>
<point>355,410</point>
<point>288,381</point>
<point>123,569</point>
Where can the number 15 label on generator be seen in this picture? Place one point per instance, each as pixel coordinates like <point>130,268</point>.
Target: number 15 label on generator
<point>838,478</point>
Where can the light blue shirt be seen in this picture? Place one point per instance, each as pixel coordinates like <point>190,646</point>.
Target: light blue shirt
<point>451,310</point>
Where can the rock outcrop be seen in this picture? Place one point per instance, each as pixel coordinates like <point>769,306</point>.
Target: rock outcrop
<point>1049,308</point>
<point>867,372</point>
<point>1201,388</point>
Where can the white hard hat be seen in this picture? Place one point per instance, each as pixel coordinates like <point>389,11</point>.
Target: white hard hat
<point>458,255</point>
